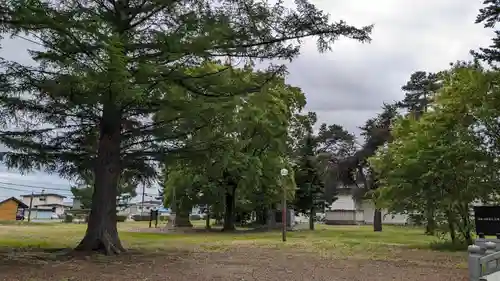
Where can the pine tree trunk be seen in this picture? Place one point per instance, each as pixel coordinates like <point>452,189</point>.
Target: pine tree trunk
<point>271,217</point>
<point>230,201</point>
<point>451,227</point>
<point>261,216</point>
<point>312,215</point>
<point>430,227</point>
<point>207,218</point>
<point>102,233</point>
<point>182,215</point>
<point>182,220</point>
<point>377,220</point>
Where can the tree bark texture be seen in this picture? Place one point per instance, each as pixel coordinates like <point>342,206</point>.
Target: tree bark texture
<point>207,218</point>
<point>271,217</point>
<point>261,216</point>
<point>430,226</point>
<point>451,227</point>
<point>183,210</point>
<point>230,202</point>
<point>312,215</point>
<point>377,220</point>
<point>102,233</point>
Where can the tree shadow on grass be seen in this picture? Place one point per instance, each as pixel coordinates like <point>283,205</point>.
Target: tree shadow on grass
<point>43,256</point>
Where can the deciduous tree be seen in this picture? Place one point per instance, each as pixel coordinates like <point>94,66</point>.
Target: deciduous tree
<point>444,156</point>
<point>107,66</point>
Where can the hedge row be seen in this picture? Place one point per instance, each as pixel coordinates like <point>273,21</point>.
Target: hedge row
<point>162,218</point>
<point>69,218</point>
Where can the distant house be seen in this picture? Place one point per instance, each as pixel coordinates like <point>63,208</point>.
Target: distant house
<point>12,209</point>
<point>45,205</point>
<point>349,210</point>
<point>140,207</point>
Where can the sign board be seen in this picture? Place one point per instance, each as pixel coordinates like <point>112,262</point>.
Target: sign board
<point>487,220</point>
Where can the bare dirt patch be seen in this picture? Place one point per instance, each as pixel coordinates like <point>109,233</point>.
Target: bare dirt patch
<point>242,263</point>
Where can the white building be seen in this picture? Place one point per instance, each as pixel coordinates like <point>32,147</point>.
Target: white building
<point>346,210</point>
<point>44,205</point>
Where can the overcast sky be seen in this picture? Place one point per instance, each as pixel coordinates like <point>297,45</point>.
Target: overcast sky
<point>350,84</point>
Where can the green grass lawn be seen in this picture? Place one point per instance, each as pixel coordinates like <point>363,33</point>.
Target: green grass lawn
<point>329,250</point>
<point>326,240</point>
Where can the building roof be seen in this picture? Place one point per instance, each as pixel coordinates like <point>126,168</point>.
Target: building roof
<point>19,202</point>
<point>44,194</point>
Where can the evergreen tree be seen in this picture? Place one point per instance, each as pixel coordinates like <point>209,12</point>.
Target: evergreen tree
<point>309,193</point>
<point>419,91</point>
<point>489,16</point>
<point>355,169</point>
<point>107,66</point>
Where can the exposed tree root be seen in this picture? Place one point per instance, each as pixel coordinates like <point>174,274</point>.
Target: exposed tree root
<point>101,242</point>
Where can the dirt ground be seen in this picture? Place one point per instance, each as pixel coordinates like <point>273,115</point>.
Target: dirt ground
<point>243,263</point>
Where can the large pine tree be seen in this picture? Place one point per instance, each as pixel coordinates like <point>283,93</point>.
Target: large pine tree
<point>489,16</point>
<point>419,92</point>
<point>107,66</point>
<point>309,180</point>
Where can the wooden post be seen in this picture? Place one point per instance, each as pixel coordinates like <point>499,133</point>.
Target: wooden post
<point>31,205</point>
<point>156,218</point>
<point>150,218</point>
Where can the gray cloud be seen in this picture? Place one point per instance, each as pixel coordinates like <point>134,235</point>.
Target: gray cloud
<point>350,84</point>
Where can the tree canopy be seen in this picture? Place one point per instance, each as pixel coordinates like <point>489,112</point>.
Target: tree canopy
<point>106,67</point>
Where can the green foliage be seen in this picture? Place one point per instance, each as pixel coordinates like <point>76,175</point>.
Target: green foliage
<point>68,218</point>
<point>309,181</point>
<point>419,92</point>
<point>354,170</point>
<point>121,218</point>
<point>105,69</point>
<point>141,217</point>
<point>449,155</point>
<point>489,17</point>
<point>109,62</point>
<point>241,151</point>
<point>195,217</point>
<point>84,192</point>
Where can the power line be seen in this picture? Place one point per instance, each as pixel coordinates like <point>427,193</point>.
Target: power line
<point>24,190</point>
<point>34,186</point>
<point>67,192</point>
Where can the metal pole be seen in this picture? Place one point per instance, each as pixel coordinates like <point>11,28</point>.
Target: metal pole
<point>142,202</point>
<point>283,234</point>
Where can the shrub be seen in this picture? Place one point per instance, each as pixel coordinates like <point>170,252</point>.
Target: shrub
<point>140,217</point>
<point>68,218</point>
<point>121,218</point>
<point>195,217</point>
<point>446,245</point>
<point>164,218</point>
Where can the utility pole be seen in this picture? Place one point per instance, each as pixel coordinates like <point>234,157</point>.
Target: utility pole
<point>31,205</point>
<point>143,193</point>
